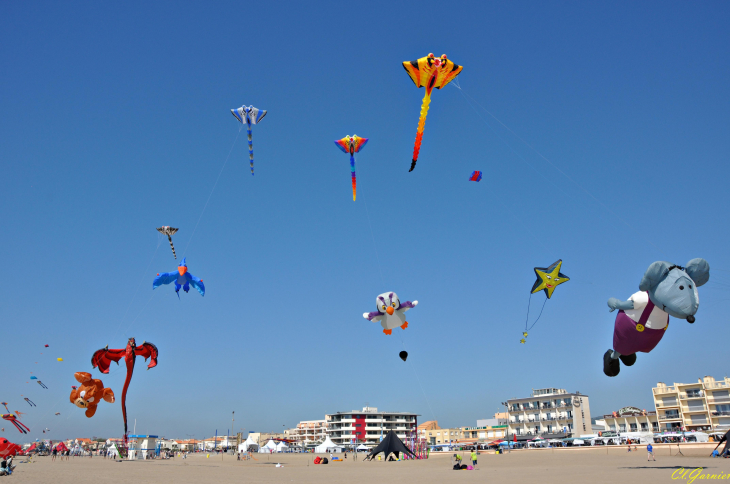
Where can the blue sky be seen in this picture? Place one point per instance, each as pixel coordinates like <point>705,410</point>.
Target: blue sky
<point>116,121</point>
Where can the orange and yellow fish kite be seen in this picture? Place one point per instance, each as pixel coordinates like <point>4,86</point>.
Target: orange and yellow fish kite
<point>429,72</point>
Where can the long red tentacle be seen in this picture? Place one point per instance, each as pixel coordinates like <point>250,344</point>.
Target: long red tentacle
<point>130,371</point>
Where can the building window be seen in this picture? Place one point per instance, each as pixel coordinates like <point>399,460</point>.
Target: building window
<point>622,427</point>
<point>633,427</point>
<point>644,426</point>
<point>655,426</point>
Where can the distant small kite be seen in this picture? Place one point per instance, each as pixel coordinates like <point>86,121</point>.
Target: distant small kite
<point>476,176</point>
<point>169,231</point>
<point>30,402</point>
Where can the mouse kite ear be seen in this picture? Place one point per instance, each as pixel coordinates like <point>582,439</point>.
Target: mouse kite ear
<point>654,275</point>
<point>699,270</point>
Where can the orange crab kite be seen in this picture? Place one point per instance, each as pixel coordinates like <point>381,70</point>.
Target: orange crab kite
<point>429,72</point>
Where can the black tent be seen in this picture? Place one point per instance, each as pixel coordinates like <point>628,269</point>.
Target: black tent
<point>391,443</point>
<point>725,438</point>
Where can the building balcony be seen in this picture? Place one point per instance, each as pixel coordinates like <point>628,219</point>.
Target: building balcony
<point>717,384</point>
<point>663,390</point>
<point>719,400</point>
<point>720,414</point>
<point>694,410</point>
<point>661,405</point>
<point>669,417</point>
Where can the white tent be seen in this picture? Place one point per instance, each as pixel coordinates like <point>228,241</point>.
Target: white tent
<point>327,446</point>
<point>268,448</point>
<point>363,447</point>
<point>249,443</point>
<point>281,447</point>
<point>113,451</point>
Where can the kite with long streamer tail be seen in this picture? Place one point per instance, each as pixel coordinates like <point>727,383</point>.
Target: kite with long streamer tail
<point>14,420</point>
<point>352,144</point>
<point>5,404</point>
<point>429,72</point>
<point>169,231</point>
<point>249,115</point>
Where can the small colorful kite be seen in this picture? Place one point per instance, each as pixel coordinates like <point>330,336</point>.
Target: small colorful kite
<point>476,176</point>
<point>181,278</point>
<point>30,402</point>
<point>46,346</point>
<point>5,404</point>
<point>39,382</point>
<point>58,413</point>
<point>57,359</point>
<point>429,72</point>
<point>18,424</point>
<point>249,116</point>
<point>352,144</point>
<point>169,231</point>
<point>548,278</point>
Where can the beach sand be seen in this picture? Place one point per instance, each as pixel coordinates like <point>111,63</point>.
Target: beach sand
<point>559,466</point>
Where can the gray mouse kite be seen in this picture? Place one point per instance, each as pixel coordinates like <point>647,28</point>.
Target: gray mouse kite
<point>665,290</point>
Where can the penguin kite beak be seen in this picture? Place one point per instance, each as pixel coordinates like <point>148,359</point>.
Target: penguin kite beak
<point>389,310</point>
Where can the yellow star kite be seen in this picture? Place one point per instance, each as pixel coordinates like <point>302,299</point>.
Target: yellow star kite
<point>548,278</point>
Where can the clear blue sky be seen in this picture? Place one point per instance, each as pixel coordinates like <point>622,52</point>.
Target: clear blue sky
<point>115,120</point>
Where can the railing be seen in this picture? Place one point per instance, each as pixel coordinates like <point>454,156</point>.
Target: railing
<point>685,396</point>
<point>660,390</point>
<point>717,384</point>
<point>719,414</point>
<point>718,400</point>
<point>669,417</point>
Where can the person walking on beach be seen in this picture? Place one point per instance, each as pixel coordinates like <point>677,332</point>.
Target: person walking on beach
<point>650,449</point>
<point>474,458</point>
<point>54,452</point>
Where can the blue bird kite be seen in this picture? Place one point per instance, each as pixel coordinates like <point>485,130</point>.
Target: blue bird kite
<point>181,278</point>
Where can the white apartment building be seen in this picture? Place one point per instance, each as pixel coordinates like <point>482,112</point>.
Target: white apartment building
<point>309,432</point>
<point>704,405</point>
<point>368,426</point>
<point>549,412</point>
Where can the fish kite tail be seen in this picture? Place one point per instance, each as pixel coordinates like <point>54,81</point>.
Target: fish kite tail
<point>250,148</point>
<point>421,126</point>
<point>354,179</point>
<point>172,246</point>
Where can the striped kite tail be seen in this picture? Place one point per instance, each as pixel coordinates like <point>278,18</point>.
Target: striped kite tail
<point>419,132</point>
<point>250,148</point>
<point>352,173</point>
<point>172,246</point>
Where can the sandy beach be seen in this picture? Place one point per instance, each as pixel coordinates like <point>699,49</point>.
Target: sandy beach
<point>597,465</point>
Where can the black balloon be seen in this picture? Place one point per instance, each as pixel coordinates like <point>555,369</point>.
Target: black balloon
<point>403,355</point>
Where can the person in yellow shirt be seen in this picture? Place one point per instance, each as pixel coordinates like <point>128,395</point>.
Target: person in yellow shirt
<point>474,458</point>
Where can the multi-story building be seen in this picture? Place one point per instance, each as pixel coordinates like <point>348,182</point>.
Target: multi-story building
<point>368,425</point>
<point>309,432</point>
<point>704,405</point>
<point>551,412</point>
<point>631,419</point>
<point>483,433</point>
<point>440,436</point>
